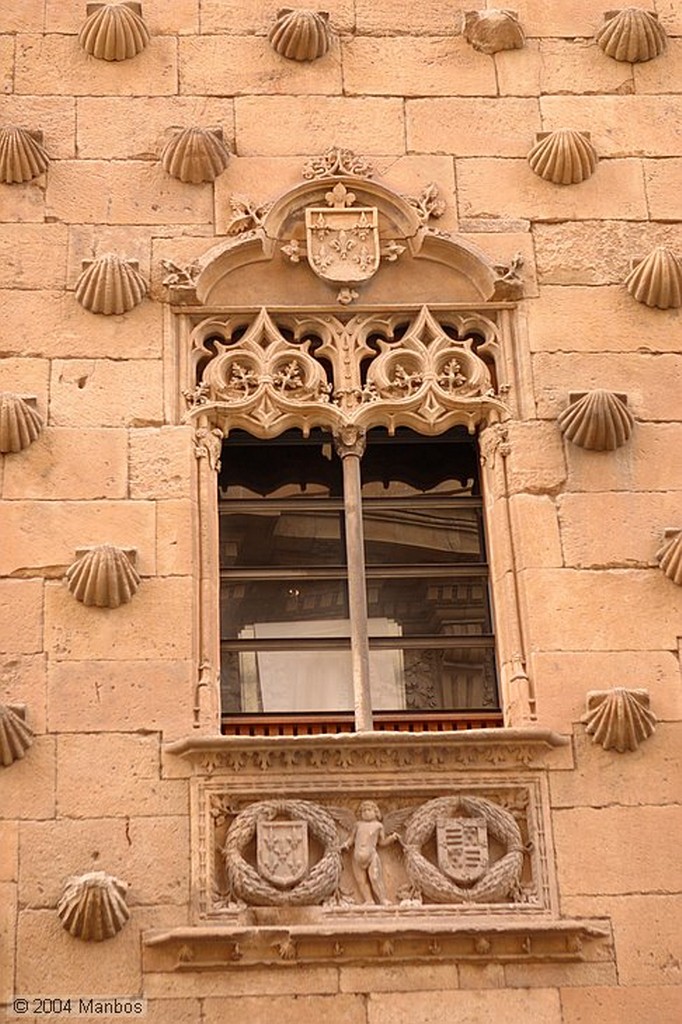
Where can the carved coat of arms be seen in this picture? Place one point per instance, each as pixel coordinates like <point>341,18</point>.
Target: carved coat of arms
<point>462,846</point>
<point>282,851</point>
<point>342,240</point>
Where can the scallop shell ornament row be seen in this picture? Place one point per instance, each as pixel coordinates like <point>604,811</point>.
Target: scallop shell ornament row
<point>20,424</point>
<point>114,31</point>
<point>564,157</point>
<point>619,719</point>
<point>92,907</point>
<point>599,421</point>
<point>195,155</point>
<point>103,577</point>
<point>110,285</point>
<point>22,156</point>
<point>657,280</point>
<point>669,556</point>
<point>15,736</point>
<point>300,35</point>
<point>632,35</point>
<point>493,30</point>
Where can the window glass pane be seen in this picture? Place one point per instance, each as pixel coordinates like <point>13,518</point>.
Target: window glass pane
<point>430,606</point>
<point>281,537</point>
<point>421,534</point>
<point>447,679</point>
<point>282,608</point>
<point>289,466</point>
<point>409,464</point>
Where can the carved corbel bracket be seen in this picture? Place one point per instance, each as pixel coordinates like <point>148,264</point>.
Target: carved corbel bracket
<point>619,719</point>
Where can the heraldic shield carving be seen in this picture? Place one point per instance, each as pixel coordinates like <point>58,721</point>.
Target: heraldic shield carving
<point>282,851</point>
<point>462,845</point>
<point>343,240</point>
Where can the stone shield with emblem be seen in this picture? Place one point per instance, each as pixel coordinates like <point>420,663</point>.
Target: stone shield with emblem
<point>462,846</point>
<point>282,851</point>
<point>342,240</point>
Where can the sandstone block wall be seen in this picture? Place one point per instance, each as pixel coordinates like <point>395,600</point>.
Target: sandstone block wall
<point>105,689</point>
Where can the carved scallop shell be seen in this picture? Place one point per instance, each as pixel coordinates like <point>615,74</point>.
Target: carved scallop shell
<point>196,155</point>
<point>92,907</point>
<point>619,719</point>
<point>114,31</point>
<point>20,424</point>
<point>15,736</point>
<point>22,156</point>
<point>599,421</point>
<point>632,35</point>
<point>493,30</point>
<point>103,577</point>
<point>669,557</point>
<point>301,35</point>
<point>110,285</point>
<point>564,157</point>
<point>657,280</point>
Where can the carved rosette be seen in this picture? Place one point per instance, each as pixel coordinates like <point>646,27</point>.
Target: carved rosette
<point>195,155</point>
<point>15,736</point>
<point>114,31</point>
<point>656,281</point>
<point>598,421</point>
<point>22,156</point>
<point>20,423</point>
<point>564,157</point>
<point>669,556</point>
<point>110,285</point>
<point>632,35</point>
<point>493,30</point>
<point>619,719</point>
<point>103,577</point>
<point>92,907</point>
<point>300,35</point>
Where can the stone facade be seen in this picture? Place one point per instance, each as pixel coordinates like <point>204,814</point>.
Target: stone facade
<point>513,169</point>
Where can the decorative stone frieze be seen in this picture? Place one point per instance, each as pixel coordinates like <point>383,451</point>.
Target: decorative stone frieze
<point>564,157</point>
<point>92,907</point>
<point>15,735</point>
<point>196,155</point>
<point>337,162</point>
<point>114,31</point>
<point>493,30</point>
<point>22,156</point>
<point>110,285</point>
<point>104,576</point>
<point>20,422</point>
<point>597,420</point>
<point>300,34</point>
<point>656,281</point>
<point>632,35</point>
<point>619,719</point>
<point>669,556</point>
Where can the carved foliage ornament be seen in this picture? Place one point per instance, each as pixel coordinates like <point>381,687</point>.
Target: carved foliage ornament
<point>300,35</point>
<point>493,30</point>
<point>632,35</point>
<point>15,735</point>
<point>20,423</point>
<point>597,420</point>
<point>22,156</point>
<point>337,162</point>
<point>114,31</point>
<point>619,719</point>
<point>92,907</point>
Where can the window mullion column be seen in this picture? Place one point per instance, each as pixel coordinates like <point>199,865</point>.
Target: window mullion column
<point>350,446</point>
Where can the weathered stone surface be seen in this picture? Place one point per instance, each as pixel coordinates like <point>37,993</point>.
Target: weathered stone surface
<point>470,1006</point>
<point>648,463</point>
<point>134,631</point>
<point>282,125</point>
<point>536,530</point>
<point>420,66</point>
<point>551,975</point>
<point>54,116</point>
<point>25,17</point>
<point>616,849</point>
<point>32,255</point>
<point>502,241</point>
<point>605,319</point>
<point>26,376</point>
<point>244,17</point>
<point>337,1009</point>
<point>433,17</point>
<point>671,16</point>
<point>8,924</point>
<point>176,530</point>
<point>617,609</point>
<point>9,851</point>
<point>56,65</point>
<point>21,616</point>
<point>53,468</point>
<point>67,16</point>
<point>616,190</point>
<point>615,122</point>
<point>45,535</point>
<point>7,65</point>
<point>121,696</point>
<point>399,978</point>
<point>104,392</point>
<point>518,72</point>
<point>127,780</point>
<point>657,76</point>
<point>24,205</point>
<point>578,66</point>
<point>27,788</point>
<point>621,1005</point>
<point>589,252</point>
<point>23,680</point>
<point>636,524</point>
<point>572,18</point>
<point>536,463</point>
<point>662,179</point>
<point>161,462</point>
<point>216,65</point>
<point>498,127</point>
<point>303,982</point>
<point>481,976</point>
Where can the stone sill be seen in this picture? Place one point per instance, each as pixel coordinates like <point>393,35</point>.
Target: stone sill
<point>387,941</point>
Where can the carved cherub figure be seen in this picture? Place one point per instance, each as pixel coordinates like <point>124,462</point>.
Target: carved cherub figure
<point>366,837</point>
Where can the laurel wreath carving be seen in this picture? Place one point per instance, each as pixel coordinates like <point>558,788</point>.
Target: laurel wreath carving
<point>320,882</point>
<point>502,878</point>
